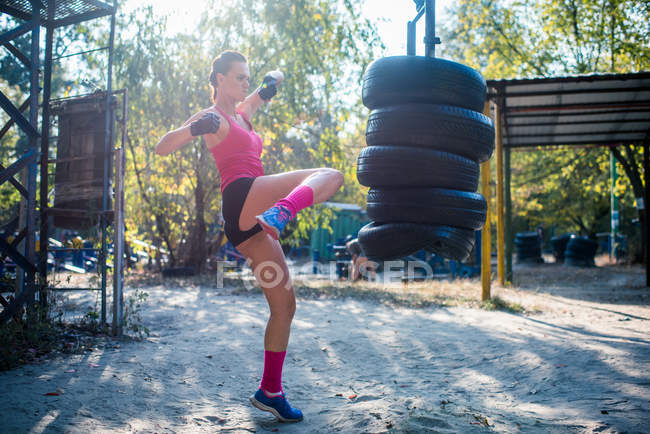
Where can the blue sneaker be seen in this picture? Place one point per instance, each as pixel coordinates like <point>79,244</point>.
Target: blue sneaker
<point>278,405</point>
<point>274,219</point>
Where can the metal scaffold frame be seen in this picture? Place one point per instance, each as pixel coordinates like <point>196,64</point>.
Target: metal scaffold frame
<point>31,269</point>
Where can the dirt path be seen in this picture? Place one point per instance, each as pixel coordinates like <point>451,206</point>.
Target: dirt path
<point>352,366</point>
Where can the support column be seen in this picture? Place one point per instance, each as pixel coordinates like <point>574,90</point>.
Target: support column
<point>30,210</point>
<point>45,148</point>
<point>430,39</point>
<point>486,266</point>
<point>508,216</point>
<point>118,271</point>
<point>499,211</point>
<point>615,220</point>
<point>646,176</point>
<point>108,153</point>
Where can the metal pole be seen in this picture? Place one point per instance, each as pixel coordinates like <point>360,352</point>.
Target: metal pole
<point>646,175</point>
<point>45,147</point>
<point>486,266</point>
<point>614,221</point>
<point>500,217</point>
<point>508,217</point>
<point>486,263</point>
<point>30,214</point>
<point>410,38</point>
<point>118,272</point>
<point>430,28</point>
<point>107,154</point>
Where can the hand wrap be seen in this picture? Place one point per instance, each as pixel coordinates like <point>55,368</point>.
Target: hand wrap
<point>206,124</point>
<point>269,88</point>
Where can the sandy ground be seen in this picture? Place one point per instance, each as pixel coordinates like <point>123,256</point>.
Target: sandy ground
<point>578,363</point>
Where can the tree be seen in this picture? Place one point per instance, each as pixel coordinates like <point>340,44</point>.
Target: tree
<point>321,46</point>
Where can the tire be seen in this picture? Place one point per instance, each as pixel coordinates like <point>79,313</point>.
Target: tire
<point>527,242</point>
<point>385,242</point>
<point>402,166</point>
<point>436,206</point>
<point>441,127</point>
<point>527,236</point>
<point>582,246</point>
<point>419,79</point>
<point>559,244</point>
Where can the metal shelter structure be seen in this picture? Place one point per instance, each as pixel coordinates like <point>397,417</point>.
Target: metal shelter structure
<point>594,110</point>
<point>31,271</point>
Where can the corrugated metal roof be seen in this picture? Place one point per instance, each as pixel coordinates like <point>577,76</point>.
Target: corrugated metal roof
<point>65,11</point>
<point>593,109</point>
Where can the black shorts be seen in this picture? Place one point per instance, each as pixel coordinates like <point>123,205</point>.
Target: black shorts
<point>232,202</point>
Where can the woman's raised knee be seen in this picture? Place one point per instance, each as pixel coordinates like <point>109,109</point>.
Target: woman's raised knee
<point>335,177</point>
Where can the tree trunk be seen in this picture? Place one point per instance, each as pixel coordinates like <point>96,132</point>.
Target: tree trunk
<point>198,251</point>
<point>631,168</point>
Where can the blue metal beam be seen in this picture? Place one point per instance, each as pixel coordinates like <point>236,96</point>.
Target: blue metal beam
<point>16,32</point>
<point>19,259</point>
<point>10,171</point>
<point>17,116</point>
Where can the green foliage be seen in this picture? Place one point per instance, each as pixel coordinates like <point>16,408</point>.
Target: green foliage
<point>322,48</point>
<point>524,38</point>
<point>565,188</point>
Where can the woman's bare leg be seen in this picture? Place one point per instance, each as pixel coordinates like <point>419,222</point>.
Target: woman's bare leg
<point>266,258</point>
<point>267,190</point>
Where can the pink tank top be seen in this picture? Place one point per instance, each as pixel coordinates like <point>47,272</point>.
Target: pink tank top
<point>238,155</point>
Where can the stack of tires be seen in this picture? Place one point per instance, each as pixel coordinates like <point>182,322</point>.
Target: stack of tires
<point>580,252</point>
<point>558,245</point>
<point>528,248</point>
<point>425,138</point>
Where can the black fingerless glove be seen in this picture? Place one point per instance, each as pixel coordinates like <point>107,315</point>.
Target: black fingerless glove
<point>269,88</point>
<point>206,124</point>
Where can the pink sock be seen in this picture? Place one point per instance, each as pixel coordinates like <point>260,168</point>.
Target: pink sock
<point>272,377</point>
<point>300,198</point>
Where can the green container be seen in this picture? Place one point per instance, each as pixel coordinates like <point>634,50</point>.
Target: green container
<point>348,219</point>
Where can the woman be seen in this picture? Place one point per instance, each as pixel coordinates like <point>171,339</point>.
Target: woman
<point>255,206</point>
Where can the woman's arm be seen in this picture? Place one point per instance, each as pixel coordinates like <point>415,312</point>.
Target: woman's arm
<point>203,122</point>
<point>262,94</point>
<point>174,140</point>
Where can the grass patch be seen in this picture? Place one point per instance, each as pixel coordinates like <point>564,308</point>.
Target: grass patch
<point>497,303</point>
